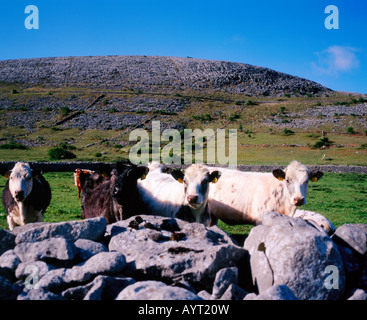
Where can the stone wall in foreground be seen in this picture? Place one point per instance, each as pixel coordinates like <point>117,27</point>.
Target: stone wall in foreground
<point>149,257</point>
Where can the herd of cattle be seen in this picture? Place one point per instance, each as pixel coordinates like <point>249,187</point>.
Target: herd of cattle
<point>199,194</point>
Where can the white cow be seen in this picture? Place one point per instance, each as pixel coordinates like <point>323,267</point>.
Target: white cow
<point>242,197</point>
<point>178,195</point>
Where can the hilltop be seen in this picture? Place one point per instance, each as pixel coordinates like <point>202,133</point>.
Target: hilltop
<point>155,74</point>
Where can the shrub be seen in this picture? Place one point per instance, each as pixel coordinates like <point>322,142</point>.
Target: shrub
<point>234,116</point>
<point>250,103</point>
<point>282,109</point>
<point>14,91</point>
<point>98,155</point>
<point>12,145</point>
<point>58,153</point>
<point>350,130</point>
<point>288,132</point>
<point>323,142</point>
<point>64,111</point>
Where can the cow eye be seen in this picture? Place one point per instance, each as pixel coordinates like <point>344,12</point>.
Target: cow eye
<point>287,180</point>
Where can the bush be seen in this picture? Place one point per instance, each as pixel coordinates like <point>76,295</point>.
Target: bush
<point>323,142</point>
<point>288,132</point>
<point>64,111</point>
<point>234,116</point>
<point>59,153</point>
<point>350,130</point>
<point>12,145</point>
<point>14,91</point>
<point>98,155</point>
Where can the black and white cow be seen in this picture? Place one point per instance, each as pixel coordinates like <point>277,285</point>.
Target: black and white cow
<point>26,196</point>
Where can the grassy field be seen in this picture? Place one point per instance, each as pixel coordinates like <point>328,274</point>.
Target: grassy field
<point>260,122</point>
<point>341,197</point>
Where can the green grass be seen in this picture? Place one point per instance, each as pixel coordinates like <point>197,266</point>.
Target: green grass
<point>341,197</point>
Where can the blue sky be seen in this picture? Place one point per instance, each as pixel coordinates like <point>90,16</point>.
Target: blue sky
<point>284,35</point>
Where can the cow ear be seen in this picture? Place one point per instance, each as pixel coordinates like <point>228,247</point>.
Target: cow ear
<point>166,170</point>
<point>279,174</point>
<point>315,175</point>
<point>104,169</point>
<point>36,173</point>
<point>214,176</point>
<point>7,174</point>
<point>142,172</point>
<point>178,175</point>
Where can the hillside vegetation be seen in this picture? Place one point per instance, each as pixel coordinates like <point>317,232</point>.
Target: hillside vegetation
<point>87,106</point>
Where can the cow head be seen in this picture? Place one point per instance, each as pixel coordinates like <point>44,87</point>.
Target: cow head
<point>124,180</point>
<point>296,177</point>
<point>21,181</point>
<point>196,181</point>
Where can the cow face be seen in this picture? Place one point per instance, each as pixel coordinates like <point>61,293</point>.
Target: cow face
<point>296,177</point>
<point>20,181</point>
<point>196,181</point>
<point>124,181</point>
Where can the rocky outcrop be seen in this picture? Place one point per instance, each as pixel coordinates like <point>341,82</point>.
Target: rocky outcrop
<point>149,257</point>
<point>155,74</point>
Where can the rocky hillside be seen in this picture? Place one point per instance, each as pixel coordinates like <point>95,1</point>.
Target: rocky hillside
<point>155,74</point>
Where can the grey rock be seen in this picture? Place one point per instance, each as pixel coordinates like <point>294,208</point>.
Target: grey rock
<point>107,288</point>
<point>107,263</point>
<point>46,250</point>
<point>103,263</point>
<point>316,217</point>
<point>233,292</point>
<point>9,260</point>
<point>358,294</point>
<point>290,251</point>
<point>355,235</point>
<point>223,279</point>
<point>56,280</point>
<point>205,295</point>
<point>92,229</point>
<point>78,292</point>
<point>276,292</point>
<point>196,258</point>
<point>8,291</point>
<point>155,290</point>
<point>88,248</point>
<point>39,294</point>
<point>33,268</point>
<point>7,241</point>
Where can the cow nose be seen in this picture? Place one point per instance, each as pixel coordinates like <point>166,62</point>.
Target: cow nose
<point>192,199</point>
<point>298,201</point>
<point>19,195</point>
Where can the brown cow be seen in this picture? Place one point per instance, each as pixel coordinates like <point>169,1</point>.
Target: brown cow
<point>115,197</point>
<point>78,179</point>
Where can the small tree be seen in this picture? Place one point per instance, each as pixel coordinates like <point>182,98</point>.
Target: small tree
<point>59,153</point>
<point>350,130</point>
<point>288,132</point>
